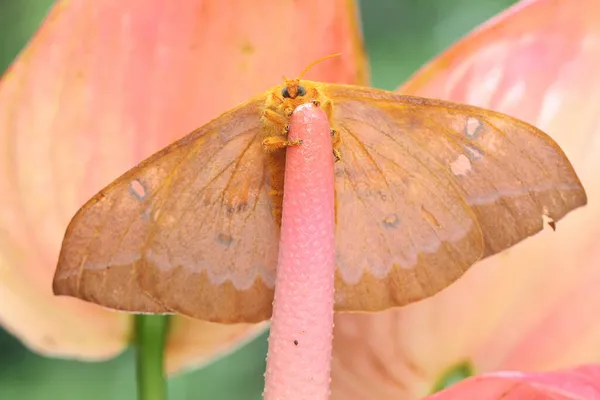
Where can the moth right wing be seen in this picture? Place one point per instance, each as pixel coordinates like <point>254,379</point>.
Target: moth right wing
<point>425,188</point>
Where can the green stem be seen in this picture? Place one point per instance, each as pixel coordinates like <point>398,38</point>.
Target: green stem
<point>454,375</point>
<point>150,334</point>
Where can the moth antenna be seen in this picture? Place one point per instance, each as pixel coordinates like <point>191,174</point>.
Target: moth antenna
<point>292,86</point>
<point>312,64</point>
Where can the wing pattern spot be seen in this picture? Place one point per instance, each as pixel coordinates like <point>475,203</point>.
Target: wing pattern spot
<point>391,221</point>
<point>138,189</point>
<point>473,127</point>
<point>224,239</point>
<point>461,167</point>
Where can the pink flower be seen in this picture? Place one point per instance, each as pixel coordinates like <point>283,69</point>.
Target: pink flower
<point>535,307</point>
<point>104,85</point>
<point>575,384</point>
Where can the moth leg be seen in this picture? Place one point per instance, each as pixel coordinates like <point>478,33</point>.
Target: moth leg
<point>335,141</point>
<point>276,98</point>
<point>327,106</point>
<point>337,157</point>
<point>273,143</point>
<point>277,120</point>
<point>276,142</point>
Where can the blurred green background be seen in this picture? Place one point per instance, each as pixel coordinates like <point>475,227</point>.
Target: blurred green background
<point>400,36</point>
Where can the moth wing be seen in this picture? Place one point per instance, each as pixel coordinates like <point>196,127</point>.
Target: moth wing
<point>426,188</point>
<point>189,230</point>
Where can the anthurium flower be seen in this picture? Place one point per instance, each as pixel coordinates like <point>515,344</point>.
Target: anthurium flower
<point>574,384</point>
<point>102,86</point>
<point>535,307</point>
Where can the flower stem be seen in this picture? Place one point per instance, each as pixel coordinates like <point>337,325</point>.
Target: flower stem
<point>150,334</point>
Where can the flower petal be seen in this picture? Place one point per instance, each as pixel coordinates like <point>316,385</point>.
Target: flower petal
<point>193,343</point>
<point>533,307</point>
<point>102,86</point>
<point>576,384</point>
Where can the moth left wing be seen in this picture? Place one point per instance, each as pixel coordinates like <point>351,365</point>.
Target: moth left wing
<point>188,230</point>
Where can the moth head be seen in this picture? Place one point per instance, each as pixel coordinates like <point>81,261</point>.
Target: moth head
<point>292,89</point>
<point>295,92</point>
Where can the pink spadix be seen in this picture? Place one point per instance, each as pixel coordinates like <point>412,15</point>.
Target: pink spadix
<point>298,362</point>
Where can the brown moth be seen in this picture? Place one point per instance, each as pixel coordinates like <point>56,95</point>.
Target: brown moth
<point>424,189</point>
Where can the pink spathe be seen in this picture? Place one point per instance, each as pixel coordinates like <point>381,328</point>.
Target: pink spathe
<point>102,86</point>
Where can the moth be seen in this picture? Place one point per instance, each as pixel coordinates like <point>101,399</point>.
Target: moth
<point>423,190</point>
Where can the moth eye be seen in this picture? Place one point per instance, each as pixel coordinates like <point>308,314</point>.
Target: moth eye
<point>285,93</point>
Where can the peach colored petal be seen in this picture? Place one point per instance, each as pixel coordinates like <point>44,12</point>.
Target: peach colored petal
<point>56,326</point>
<point>193,343</point>
<point>102,86</point>
<point>537,62</point>
<point>582,383</point>
<point>535,306</point>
